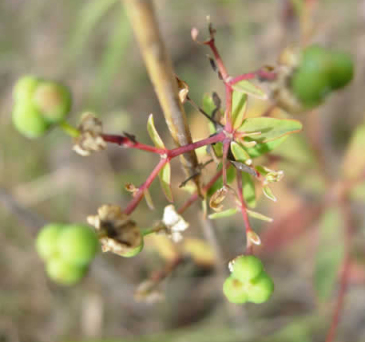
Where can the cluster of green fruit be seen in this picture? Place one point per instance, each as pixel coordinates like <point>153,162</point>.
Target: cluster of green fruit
<point>67,251</point>
<point>38,105</point>
<point>320,72</point>
<point>248,281</point>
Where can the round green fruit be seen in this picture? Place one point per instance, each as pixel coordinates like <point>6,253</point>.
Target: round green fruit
<point>24,88</point>
<point>315,59</point>
<point>342,70</point>
<point>28,121</point>
<point>78,244</point>
<point>47,241</point>
<point>247,267</point>
<point>64,273</point>
<point>53,101</point>
<point>260,289</point>
<point>310,87</point>
<point>234,290</point>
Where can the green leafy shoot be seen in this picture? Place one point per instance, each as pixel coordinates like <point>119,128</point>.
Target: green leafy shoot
<point>269,194</point>
<point>153,133</point>
<point>270,128</point>
<point>248,189</point>
<point>165,180</point>
<point>249,88</point>
<point>224,213</point>
<point>258,216</point>
<point>239,106</point>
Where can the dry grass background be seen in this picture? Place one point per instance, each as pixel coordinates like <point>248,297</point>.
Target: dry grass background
<point>89,46</point>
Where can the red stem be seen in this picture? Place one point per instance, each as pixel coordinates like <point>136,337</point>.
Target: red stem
<point>226,144</point>
<point>126,142</point>
<point>218,59</point>
<point>228,113</point>
<point>263,74</point>
<point>140,193</point>
<point>187,148</point>
<point>244,211</point>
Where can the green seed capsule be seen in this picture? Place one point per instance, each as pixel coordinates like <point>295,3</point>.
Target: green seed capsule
<point>234,290</point>
<point>47,241</point>
<point>53,101</point>
<point>316,59</point>
<point>64,273</point>
<point>28,121</point>
<point>310,87</point>
<point>247,267</point>
<point>78,244</point>
<point>260,289</point>
<point>342,70</point>
<point>24,88</point>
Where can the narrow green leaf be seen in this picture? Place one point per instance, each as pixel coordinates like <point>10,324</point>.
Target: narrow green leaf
<point>270,128</point>
<point>208,104</point>
<point>262,148</point>
<point>251,89</point>
<point>258,216</point>
<point>239,106</point>
<point>222,214</point>
<point>165,180</point>
<point>153,132</point>
<point>330,253</point>
<point>268,193</point>
<point>218,149</point>
<point>240,153</point>
<point>249,193</point>
<point>354,161</point>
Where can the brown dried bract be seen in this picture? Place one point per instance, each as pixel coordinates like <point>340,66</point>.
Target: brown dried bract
<point>117,232</point>
<point>90,138</point>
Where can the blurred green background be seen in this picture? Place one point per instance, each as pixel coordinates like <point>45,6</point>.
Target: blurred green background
<point>89,46</point>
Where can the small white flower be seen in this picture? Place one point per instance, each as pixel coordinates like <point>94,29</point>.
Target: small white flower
<point>174,223</point>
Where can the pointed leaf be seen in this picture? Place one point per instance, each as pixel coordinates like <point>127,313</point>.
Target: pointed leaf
<point>225,213</point>
<point>253,237</point>
<point>249,88</point>
<point>270,128</point>
<point>208,104</point>
<point>268,193</point>
<point>249,193</point>
<point>258,216</point>
<point>262,148</point>
<point>354,161</point>
<point>148,198</point>
<point>239,106</point>
<point>244,168</point>
<point>165,180</point>
<point>240,153</point>
<point>153,133</point>
<point>330,253</point>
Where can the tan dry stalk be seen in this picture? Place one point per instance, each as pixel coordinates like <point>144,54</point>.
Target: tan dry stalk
<point>159,66</point>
